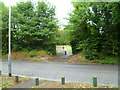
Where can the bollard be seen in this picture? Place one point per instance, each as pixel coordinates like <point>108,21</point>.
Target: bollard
<point>95,81</point>
<point>0,73</point>
<point>16,79</point>
<point>65,53</point>
<point>37,81</point>
<point>62,80</point>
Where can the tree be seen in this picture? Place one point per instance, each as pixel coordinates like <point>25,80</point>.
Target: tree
<point>33,26</point>
<point>94,28</point>
<point>62,37</point>
<point>4,27</point>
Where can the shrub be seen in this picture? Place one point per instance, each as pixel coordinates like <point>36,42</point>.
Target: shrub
<point>49,53</point>
<point>32,53</point>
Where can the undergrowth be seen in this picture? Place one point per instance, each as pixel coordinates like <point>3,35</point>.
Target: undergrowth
<point>26,54</point>
<point>106,60</point>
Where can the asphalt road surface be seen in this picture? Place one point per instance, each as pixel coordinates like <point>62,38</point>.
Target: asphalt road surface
<point>107,74</point>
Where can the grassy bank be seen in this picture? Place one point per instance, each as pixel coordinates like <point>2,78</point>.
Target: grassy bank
<point>34,55</point>
<point>55,84</point>
<point>6,81</point>
<point>79,58</point>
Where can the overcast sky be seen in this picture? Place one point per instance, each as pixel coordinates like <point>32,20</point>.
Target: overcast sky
<point>63,7</point>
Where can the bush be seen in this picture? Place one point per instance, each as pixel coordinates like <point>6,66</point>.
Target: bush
<point>96,61</point>
<point>32,53</point>
<point>49,53</point>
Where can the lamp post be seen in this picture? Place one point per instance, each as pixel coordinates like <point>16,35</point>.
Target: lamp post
<point>9,45</point>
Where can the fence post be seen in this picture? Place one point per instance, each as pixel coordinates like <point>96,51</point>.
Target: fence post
<point>62,80</point>
<point>16,79</point>
<point>95,81</point>
<point>37,81</point>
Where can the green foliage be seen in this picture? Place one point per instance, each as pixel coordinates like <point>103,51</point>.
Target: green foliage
<point>107,60</point>
<point>40,53</point>
<point>33,26</point>
<point>62,37</point>
<point>32,53</point>
<point>94,29</point>
<point>49,53</point>
<point>4,26</point>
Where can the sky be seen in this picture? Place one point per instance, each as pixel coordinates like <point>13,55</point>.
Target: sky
<point>63,7</point>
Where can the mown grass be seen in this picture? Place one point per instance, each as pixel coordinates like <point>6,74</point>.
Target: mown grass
<point>7,81</point>
<point>55,84</point>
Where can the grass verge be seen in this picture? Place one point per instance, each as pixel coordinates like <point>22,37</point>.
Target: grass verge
<point>55,84</point>
<point>79,58</point>
<point>107,60</point>
<point>40,55</point>
<point>6,81</point>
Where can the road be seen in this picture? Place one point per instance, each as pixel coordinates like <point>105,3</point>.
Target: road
<point>107,74</point>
